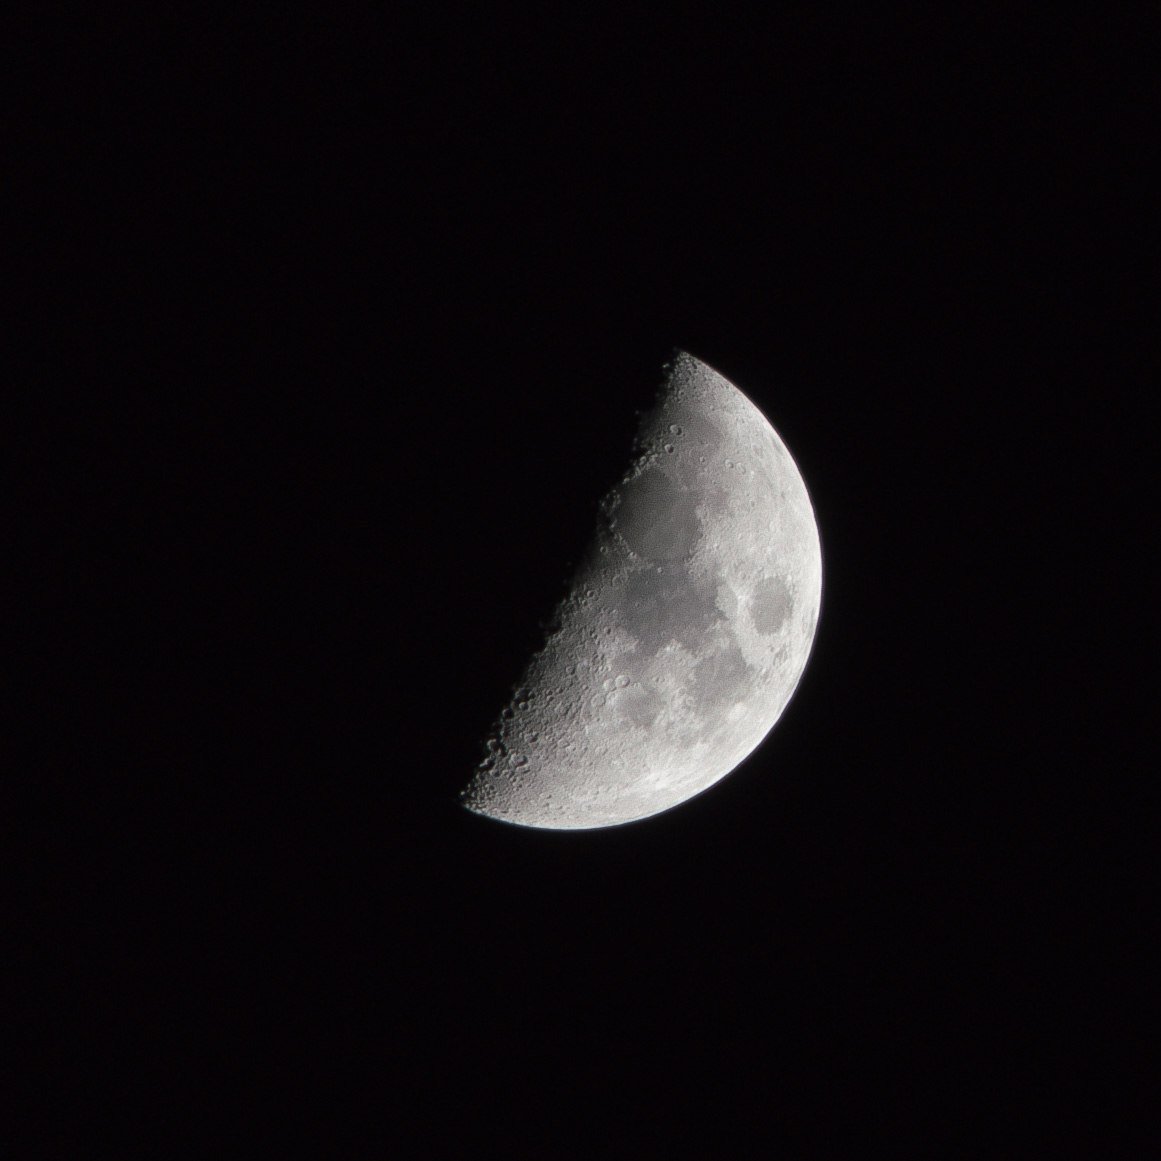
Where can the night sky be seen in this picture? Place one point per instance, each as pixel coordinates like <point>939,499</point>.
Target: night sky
<point>340,330</point>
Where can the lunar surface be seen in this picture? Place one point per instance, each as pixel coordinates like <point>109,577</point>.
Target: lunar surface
<point>684,631</point>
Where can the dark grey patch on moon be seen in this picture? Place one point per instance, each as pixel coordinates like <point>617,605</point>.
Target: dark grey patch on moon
<point>697,432</point>
<point>657,608</point>
<point>771,604</point>
<point>719,678</point>
<point>656,519</point>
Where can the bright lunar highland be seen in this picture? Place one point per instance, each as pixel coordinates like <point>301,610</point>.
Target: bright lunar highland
<point>684,631</point>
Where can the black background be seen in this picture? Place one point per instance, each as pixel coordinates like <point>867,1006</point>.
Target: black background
<point>338,329</point>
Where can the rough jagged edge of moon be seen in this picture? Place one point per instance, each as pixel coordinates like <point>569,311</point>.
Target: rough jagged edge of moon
<point>683,632</point>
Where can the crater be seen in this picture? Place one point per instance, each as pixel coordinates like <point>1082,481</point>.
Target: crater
<point>640,705</point>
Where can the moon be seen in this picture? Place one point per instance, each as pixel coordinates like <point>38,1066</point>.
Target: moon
<point>684,631</point>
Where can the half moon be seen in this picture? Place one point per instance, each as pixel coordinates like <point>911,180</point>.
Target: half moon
<point>684,632</point>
